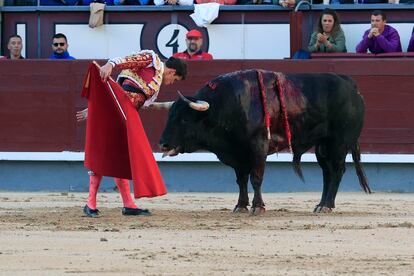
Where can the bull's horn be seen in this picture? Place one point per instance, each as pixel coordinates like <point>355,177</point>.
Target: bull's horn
<point>161,105</point>
<point>198,105</point>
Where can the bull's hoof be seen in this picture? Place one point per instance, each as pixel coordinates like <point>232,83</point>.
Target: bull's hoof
<point>322,209</point>
<point>258,210</point>
<point>239,209</point>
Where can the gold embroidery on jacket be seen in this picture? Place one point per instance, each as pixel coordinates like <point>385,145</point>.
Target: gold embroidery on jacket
<point>132,66</point>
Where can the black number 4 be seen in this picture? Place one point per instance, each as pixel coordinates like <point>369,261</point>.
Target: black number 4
<point>174,41</point>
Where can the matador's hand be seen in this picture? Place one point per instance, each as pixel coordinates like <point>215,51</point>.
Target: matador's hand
<point>82,115</point>
<point>105,71</point>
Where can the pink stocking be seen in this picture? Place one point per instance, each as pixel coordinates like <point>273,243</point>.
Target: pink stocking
<point>123,187</point>
<point>94,182</point>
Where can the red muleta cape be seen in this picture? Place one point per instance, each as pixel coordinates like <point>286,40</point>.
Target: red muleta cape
<point>116,146</point>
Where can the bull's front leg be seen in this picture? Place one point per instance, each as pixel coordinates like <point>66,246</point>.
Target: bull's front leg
<point>243,202</point>
<point>256,178</point>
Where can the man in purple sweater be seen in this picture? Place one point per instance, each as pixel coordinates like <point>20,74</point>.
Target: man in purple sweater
<point>411,43</point>
<point>381,38</point>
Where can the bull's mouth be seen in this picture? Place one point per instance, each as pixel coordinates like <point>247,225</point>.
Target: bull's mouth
<point>170,152</point>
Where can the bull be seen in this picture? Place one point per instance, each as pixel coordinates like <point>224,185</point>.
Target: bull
<point>244,116</point>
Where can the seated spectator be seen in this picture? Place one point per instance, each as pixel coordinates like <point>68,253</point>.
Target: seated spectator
<point>174,2</point>
<point>20,3</point>
<point>15,47</point>
<point>194,42</point>
<point>288,3</point>
<point>221,2</point>
<point>59,2</point>
<point>372,1</point>
<point>60,47</point>
<point>381,38</point>
<point>328,36</point>
<point>411,43</point>
<point>106,2</point>
<point>131,2</point>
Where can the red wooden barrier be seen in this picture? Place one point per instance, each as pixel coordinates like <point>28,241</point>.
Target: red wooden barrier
<point>39,99</point>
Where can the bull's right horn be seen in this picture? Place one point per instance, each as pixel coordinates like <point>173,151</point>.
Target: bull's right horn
<point>161,105</point>
<point>199,105</point>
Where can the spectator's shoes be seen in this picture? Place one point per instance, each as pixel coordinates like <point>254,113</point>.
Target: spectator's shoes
<point>135,212</point>
<point>93,213</point>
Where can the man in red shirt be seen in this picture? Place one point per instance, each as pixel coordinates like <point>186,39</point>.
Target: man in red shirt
<point>194,42</point>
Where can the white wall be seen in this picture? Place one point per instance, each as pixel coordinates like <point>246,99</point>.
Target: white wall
<point>109,40</point>
<point>226,41</point>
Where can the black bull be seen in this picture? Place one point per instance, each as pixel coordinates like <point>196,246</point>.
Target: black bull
<point>323,110</point>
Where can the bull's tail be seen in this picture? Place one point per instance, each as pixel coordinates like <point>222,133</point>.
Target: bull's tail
<point>297,167</point>
<point>356,156</point>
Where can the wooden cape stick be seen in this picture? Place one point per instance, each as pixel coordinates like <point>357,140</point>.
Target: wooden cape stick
<point>113,94</point>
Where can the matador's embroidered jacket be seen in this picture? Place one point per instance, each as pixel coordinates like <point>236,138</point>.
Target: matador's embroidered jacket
<point>145,70</point>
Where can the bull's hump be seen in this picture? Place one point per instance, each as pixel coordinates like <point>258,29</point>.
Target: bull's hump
<point>242,74</point>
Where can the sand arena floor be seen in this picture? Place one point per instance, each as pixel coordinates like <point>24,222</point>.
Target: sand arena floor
<point>196,234</point>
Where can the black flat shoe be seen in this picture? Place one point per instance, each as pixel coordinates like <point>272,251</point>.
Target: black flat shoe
<point>135,212</point>
<point>93,213</point>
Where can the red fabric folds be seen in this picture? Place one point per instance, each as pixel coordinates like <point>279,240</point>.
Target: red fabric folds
<point>116,146</point>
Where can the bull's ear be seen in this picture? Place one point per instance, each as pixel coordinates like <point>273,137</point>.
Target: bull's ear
<point>199,105</point>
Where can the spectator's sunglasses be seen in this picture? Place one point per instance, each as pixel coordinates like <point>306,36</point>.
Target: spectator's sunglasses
<point>61,44</point>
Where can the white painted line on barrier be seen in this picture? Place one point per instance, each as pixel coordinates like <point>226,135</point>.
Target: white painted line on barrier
<point>198,157</point>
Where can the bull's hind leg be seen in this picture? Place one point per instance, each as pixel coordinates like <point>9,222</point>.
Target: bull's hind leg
<point>256,178</point>
<point>332,161</point>
<point>320,152</point>
<point>243,202</point>
<point>338,169</point>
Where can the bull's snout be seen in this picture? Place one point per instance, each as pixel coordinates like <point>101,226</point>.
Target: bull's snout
<point>164,146</point>
<point>168,150</point>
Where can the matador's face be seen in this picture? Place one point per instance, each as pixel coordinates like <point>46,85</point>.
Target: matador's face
<point>169,76</point>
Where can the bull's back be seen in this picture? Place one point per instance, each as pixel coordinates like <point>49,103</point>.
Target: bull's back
<point>332,105</point>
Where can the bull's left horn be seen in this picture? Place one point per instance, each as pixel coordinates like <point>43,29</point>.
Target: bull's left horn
<point>198,105</point>
<point>161,105</point>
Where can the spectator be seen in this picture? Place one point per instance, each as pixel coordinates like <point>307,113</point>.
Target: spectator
<point>131,2</point>
<point>194,42</point>
<point>174,2</point>
<point>288,3</point>
<point>328,36</point>
<point>106,2</point>
<point>19,3</point>
<point>411,43</point>
<point>372,1</point>
<point>221,2</point>
<point>381,38</point>
<point>15,47</point>
<point>59,2</point>
<point>60,47</point>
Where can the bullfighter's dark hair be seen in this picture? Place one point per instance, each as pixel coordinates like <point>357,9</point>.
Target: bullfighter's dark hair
<point>378,12</point>
<point>179,65</point>
<point>60,35</point>
<point>337,23</point>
